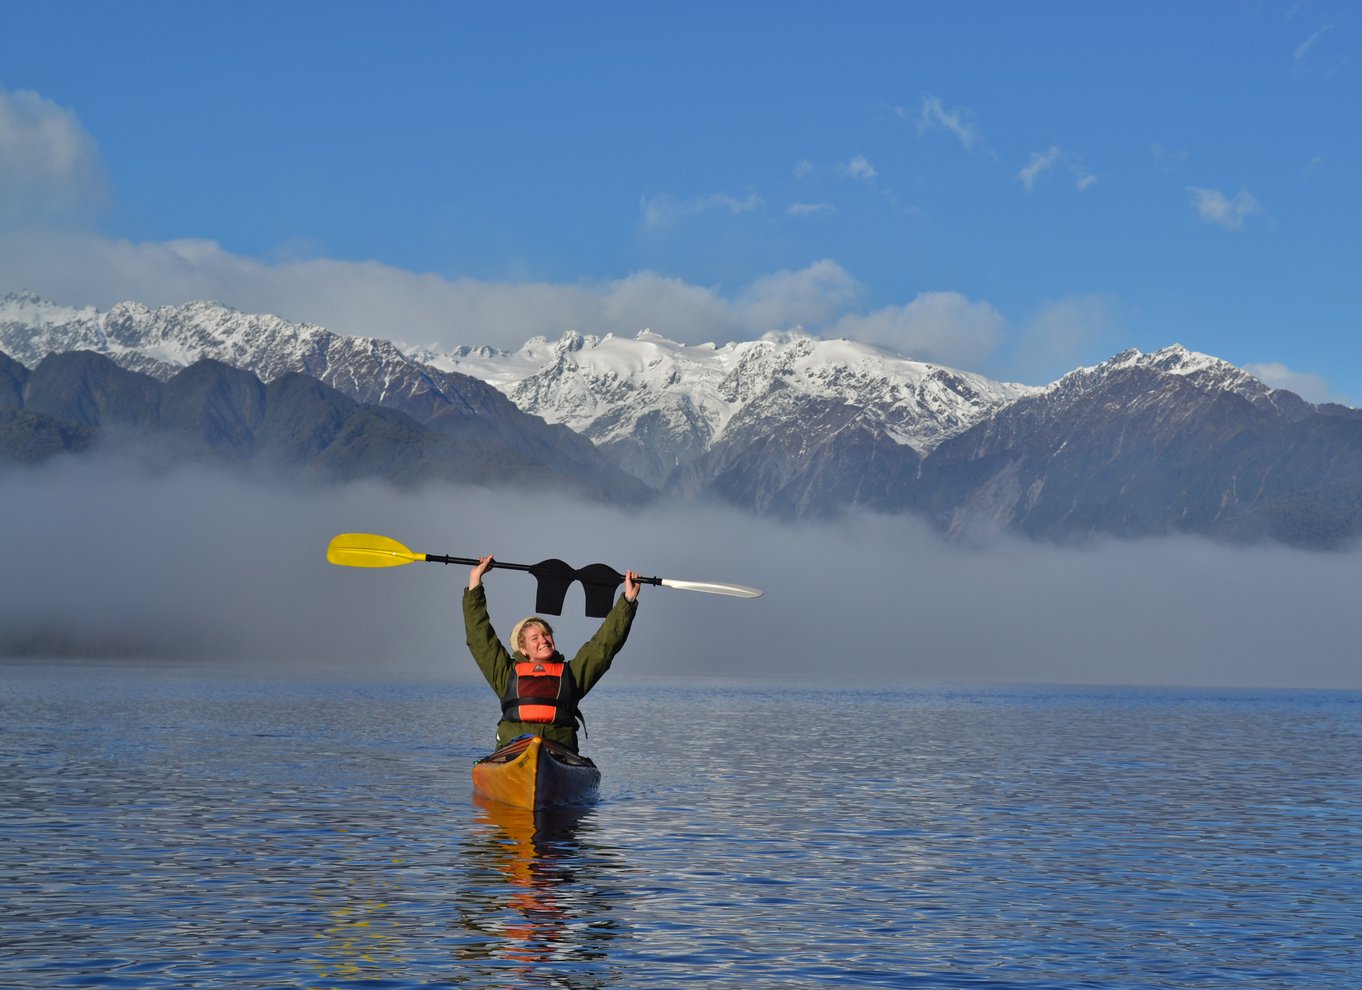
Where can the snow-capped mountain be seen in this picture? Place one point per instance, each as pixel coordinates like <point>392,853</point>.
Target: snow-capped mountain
<point>789,425</point>
<point>1202,371</point>
<point>660,409</point>
<point>1152,443</point>
<point>660,406</point>
<point>164,340</point>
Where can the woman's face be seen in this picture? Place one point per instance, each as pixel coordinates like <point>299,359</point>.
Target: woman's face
<point>536,643</point>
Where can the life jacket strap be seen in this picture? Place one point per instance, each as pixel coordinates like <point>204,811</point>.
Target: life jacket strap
<point>531,709</point>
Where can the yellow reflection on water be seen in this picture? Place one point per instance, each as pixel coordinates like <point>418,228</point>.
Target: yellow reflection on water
<point>362,938</point>
<point>542,900</point>
<point>532,900</point>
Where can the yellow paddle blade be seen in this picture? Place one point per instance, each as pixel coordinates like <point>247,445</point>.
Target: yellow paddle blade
<point>368,550</point>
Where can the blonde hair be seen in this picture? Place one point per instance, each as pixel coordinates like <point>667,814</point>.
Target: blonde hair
<point>519,631</point>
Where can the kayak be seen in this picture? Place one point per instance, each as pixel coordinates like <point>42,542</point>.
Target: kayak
<point>533,772</point>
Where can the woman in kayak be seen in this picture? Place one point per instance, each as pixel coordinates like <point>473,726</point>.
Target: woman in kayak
<point>538,687</point>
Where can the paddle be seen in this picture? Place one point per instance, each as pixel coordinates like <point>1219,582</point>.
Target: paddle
<point>554,576</point>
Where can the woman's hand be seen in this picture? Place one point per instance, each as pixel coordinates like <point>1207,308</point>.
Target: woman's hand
<point>483,565</point>
<point>631,585</point>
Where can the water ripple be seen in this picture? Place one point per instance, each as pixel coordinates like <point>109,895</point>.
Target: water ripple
<point>192,832</point>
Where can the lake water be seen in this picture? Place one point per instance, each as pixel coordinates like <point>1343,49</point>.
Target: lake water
<point>166,828</point>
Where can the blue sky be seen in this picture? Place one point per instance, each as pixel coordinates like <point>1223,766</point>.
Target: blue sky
<point>1015,189</point>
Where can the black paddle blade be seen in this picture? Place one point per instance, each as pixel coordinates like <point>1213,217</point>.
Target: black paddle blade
<point>599,581</point>
<point>554,577</point>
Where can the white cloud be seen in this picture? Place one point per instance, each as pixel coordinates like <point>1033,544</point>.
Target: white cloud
<point>366,298</point>
<point>672,307</point>
<point>1041,162</point>
<point>1304,48</point>
<point>427,310</point>
<point>1044,161</point>
<point>49,163</point>
<point>1063,334</point>
<point>802,210</point>
<point>858,168</point>
<point>809,297</point>
<point>1310,387</point>
<point>803,169</point>
<point>945,327</point>
<point>933,115</point>
<point>1214,206</point>
<point>665,209</point>
<point>373,299</point>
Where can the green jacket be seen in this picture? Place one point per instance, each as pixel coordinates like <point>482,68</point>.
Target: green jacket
<point>498,666</point>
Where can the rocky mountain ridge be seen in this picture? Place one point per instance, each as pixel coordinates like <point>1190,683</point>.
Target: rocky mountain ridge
<point>212,413</point>
<point>162,341</point>
<point>661,407</point>
<point>1149,445</point>
<point>1142,444</point>
<point>668,413</point>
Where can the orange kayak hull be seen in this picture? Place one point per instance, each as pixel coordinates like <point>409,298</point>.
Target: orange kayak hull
<point>536,773</point>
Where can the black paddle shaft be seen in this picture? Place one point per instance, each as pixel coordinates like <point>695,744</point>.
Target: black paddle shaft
<point>554,577</point>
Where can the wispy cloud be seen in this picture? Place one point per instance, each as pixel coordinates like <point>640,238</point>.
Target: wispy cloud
<point>802,169</point>
<point>803,210</point>
<point>858,168</point>
<point>665,209</point>
<point>933,115</point>
<point>1042,162</point>
<point>1316,55</point>
<point>1215,207</point>
<point>1311,387</point>
<point>1305,47</point>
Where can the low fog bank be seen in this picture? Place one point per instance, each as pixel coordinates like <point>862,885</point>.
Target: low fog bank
<point>197,563</point>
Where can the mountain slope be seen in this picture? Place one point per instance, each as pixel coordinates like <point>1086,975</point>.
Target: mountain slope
<point>745,420</point>
<point>160,342</point>
<point>1148,445</point>
<point>1142,444</point>
<point>757,422</point>
<point>213,413</point>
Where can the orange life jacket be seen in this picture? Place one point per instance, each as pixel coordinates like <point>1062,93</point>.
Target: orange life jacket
<point>541,692</point>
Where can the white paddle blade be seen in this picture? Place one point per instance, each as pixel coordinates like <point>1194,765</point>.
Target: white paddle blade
<point>711,588</point>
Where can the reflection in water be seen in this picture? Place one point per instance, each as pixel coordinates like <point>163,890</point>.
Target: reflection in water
<point>163,833</point>
<point>529,902</point>
<point>361,941</point>
<point>538,911</point>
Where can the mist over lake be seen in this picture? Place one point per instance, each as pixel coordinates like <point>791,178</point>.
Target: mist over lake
<point>195,562</point>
